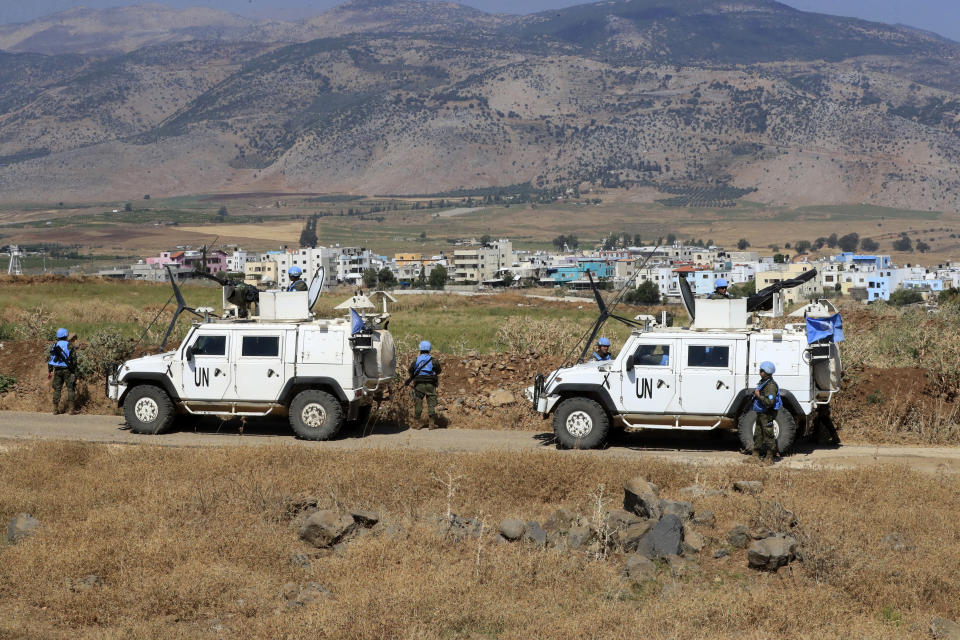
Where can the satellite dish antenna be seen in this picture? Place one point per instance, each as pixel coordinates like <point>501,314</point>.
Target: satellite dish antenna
<point>316,286</point>
<point>687,294</point>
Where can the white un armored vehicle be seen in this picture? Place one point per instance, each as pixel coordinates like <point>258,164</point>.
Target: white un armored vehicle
<point>699,378</point>
<point>280,361</point>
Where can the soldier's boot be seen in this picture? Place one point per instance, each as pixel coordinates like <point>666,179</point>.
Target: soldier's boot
<point>755,455</point>
<point>56,409</point>
<point>72,408</point>
<point>768,457</point>
<point>434,422</point>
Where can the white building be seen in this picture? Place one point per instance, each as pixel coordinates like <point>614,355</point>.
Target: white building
<point>482,264</point>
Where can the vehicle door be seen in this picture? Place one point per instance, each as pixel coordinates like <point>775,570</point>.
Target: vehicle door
<point>259,368</point>
<point>206,370</point>
<point>651,385</point>
<point>708,380</point>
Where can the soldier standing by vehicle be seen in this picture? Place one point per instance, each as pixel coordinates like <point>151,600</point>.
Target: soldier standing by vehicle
<point>424,374</point>
<point>62,370</point>
<point>766,402</point>
<point>296,284</point>
<point>603,350</point>
<point>720,291</point>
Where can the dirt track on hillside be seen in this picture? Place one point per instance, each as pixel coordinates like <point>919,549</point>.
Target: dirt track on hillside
<point>690,448</point>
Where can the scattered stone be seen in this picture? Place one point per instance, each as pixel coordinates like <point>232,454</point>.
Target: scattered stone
<point>943,629</point>
<point>85,583</point>
<point>21,526</point>
<point>640,568</point>
<point>642,498</point>
<point>289,590</point>
<point>560,521</point>
<point>501,397</point>
<point>704,519</point>
<point>629,538</point>
<point>720,553</point>
<point>326,528</point>
<point>761,533</point>
<point>897,542</point>
<point>301,560</point>
<point>681,567</point>
<point>311,592</point>
<point>619,519</point>
<point>693,540</point>
<point>512,529</point>
<point>739,537</point>
<point>770,554</point>
<point>297,506</point>
<point>751,487</point>
<point>683,510</point>
<point>579,537</point>
<point>535,534</point>
<point>366,519</point>
<point>664,539</point>
<point>461,526</point>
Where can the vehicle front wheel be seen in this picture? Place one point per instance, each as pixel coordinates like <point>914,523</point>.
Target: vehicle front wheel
<point>581,423</point>
<point>315,415</point>
<point>148,410</point>
<point>784,430</point>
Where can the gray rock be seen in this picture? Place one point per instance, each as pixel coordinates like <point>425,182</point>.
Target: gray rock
<point>770,554</point>
<point>739,537</point>
<point>301,560</point>
<point>751,487</point>
<point>460,526</point>
<point>86,583</point>
<point>943,629</point>
<point>642,498</point>
<point>897,542</point>
<point>501,398</point>
<point>704,519</point>
<point>21,526</point>
<point>720,553</point>
<point>366,519</point>
<point>560,521</point>
<point>761,532</point>
<point>640,568</point>
<point>535,534</point>
<point>664,539</point>
<point>693,540</point>
<point>629,538</point>
<point>621,519</point>
<point>310,593</point>
<point>579,537</point>
<point>681,567</point>
<point>326,528</point>
<point>683,510</point>
<point>512,529</point>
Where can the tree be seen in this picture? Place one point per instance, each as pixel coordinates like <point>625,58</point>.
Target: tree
<point>903,297</point>
<point>869,244</point>
<point>422,278</point>
<point>485,239</point>
<point>146,196</point>
<point>423,235</point>
<point>570,241</point>
<point>671,238</point>
<point>903,243</point>
<point>386,278</point>
<point>742,244</point>
<point>438,277</point>
<point>922,246</point>
<point>128,207</point>
<point>779,258</point>
<point>832,241</point>
<point>819,243</point>
<point>849,242</point>
<point>308,237</point>
<point>646,293</point>
<point>370,278</point>
<point>507,278</point>
<point>801,246</point>
<point>222,212</point>
<point>743,289</point>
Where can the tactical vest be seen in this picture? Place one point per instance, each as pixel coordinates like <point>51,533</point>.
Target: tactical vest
<point>423,366</point>
<point>60,357</point>
<point>597,356</point>
<point>759,408</point>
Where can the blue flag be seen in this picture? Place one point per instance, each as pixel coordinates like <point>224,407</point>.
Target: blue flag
<point>356,322</point>
<point>830,327</point>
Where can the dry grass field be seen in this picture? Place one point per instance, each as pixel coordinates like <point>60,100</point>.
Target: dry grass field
<point>198,543</point>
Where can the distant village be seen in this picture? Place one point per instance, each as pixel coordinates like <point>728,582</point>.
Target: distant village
<point>492,264</point>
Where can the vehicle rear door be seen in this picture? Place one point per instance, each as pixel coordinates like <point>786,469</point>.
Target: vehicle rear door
<point>651,386</point>
<point>259,367</point>
<point>206,373</point>
<point>708,380</point>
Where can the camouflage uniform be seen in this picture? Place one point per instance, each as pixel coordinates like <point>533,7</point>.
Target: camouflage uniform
<point>716,295</point>
<point>298,285</point>
<point>62,365</point>
<point>425,381</point>
<point>763,436</point>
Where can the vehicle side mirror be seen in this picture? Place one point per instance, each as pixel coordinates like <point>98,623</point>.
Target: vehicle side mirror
<point>189,354</point>
<point>628,365</point>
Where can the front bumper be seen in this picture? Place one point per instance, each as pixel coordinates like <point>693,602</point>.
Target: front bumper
<point>542,403</point>
<point>114,389</point>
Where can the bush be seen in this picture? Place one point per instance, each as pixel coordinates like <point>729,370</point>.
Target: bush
<point>544,337</point>
<point>6,382</point>
<point>438,277</point>
<point>646,293</point>
<point>903,297</point>
<point>104,348</point>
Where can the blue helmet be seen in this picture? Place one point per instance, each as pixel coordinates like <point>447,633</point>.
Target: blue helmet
<point>295,271</point>
<point>425,346</point>
<point>720,283</point>
<point>603,342</point>
<point>768,366</point>
<point>62,333</point>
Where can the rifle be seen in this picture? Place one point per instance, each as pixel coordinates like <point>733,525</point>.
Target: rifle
<point>417,371</point>
<point>57,350</point>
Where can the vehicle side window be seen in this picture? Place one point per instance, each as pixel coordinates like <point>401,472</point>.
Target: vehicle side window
<point>210,346</point>
<point>652,355</point>
<point>707,356</point>
<point>262,346</point>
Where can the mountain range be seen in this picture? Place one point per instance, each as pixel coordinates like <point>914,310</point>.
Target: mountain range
<point>413,97</point>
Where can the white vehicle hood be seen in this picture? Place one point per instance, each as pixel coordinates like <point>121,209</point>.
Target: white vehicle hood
<point>147,364</point>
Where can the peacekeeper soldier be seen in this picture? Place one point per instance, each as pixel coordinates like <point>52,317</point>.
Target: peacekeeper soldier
<point>766,402</point>
<point>296,284</point>
<point>603,350</point>
<point>720,291</point>
<point>424,374</point>
<point>62,370</point>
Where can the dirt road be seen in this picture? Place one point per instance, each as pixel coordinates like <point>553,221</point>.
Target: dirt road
<point>690,448</point>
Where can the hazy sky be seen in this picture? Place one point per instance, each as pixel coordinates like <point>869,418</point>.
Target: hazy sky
<point>940,16</point>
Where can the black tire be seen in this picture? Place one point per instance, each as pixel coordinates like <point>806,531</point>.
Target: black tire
<point>148,410</point>
<point>588,421</point>
<point>785,430</point>
<point>315,415</point>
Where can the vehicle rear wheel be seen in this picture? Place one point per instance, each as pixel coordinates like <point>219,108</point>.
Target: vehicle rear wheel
<point>784,430</point>
<point>315,415</point>
<point>581,423</point>
<point>148,410</point>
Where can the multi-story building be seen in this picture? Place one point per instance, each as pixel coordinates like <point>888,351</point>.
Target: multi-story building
<point>482,264</point>
<point>352,262</point>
